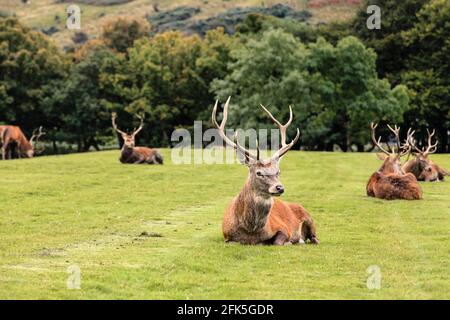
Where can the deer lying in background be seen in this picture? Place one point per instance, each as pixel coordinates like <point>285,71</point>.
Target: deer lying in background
<point>132,154</point>
<point>422,167</point>
<point>13,141</point>
<point>390,181</point>
<point>256,216</point>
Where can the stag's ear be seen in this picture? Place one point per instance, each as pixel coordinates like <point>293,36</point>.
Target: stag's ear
<point>443,171</point>
<point>378,176</point>
<point>381,156</point>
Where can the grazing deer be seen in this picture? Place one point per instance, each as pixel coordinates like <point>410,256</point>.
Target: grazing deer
<point>422,167</point>
<point>13,139</point>
<point>132,154</point>
<point>255,215</point>
<point>390,181</point>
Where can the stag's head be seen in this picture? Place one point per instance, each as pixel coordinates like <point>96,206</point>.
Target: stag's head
<point>128,138</point>
<point>391,157</point>
<point>264,174</point>
<point>426,169</point>
<point>30,153</point>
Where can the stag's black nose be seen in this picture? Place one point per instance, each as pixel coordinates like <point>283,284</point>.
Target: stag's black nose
<point>280,188</point>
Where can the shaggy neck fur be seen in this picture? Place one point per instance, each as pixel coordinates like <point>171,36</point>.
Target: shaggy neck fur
<point>25,146</point>
<point>253,208</point>
<point>417,167</point>
<point>387,168</point>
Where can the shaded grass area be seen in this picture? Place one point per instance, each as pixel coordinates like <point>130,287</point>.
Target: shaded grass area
<point>152,232</point>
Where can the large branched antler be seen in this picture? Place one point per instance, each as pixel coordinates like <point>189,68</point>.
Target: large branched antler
<point>396,132</point>
<point>221,130</point>
<point>135,131</point>
<point>141,125</point>
<point>431,148</point>
<point>409,143</point>
<point>113,120</point>
<point>401,149</point>
<point>285,147</point>
<point>36,135</point>
<point>377,142</point>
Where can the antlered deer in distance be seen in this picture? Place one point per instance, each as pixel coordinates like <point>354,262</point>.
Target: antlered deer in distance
<point>132,154</point>
<point>390,181</point>
<point>15,143</point>
<point>255,215</point>
<point>421,166</point>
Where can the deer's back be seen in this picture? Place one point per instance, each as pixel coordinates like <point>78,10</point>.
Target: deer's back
<point>14,133</point>
<point>140,154</point>
<point>394,186</point>
<point>144,151</point>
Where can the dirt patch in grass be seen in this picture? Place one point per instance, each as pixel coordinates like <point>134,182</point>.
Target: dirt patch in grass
<point>151,234</point>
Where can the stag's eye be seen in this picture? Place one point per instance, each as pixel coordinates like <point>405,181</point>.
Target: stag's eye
<point>259,173</point>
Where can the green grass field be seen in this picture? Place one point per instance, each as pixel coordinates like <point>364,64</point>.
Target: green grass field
<point>91,211</point>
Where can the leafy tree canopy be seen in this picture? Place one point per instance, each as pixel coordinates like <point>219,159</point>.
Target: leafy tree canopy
<point>388,42</point>
<point>334,90</point>
<point>428,69</point>
<point>29,67</point>
<point>120,34</point>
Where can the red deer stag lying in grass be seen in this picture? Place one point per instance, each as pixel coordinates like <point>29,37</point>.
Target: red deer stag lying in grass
<point>422,167</point>
<point>132,154</point>
<point>13,141</point>
<point>255,216</point>
<point>390,182</point>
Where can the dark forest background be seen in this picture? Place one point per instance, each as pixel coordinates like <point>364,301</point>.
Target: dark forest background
<point>337,76</point>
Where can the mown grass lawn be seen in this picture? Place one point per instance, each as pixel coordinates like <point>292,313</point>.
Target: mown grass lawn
<point>90,211</point>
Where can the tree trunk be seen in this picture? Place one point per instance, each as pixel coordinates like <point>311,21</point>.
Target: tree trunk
<point>95,144</point>
<point>443,140</point>
<point>86,145</point>
<point>329,147</point>
<point>343,145</point>
<point>360,147</point>
<point>55,147</point>
<point>119,141</point>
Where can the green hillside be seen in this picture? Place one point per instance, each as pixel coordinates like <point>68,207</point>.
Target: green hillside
<point>50,15</point>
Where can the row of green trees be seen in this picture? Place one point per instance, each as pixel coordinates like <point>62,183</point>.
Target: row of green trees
<point>338,78</point>
<point>413,49</point>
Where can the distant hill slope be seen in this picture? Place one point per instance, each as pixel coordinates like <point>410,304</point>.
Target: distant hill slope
<point>95,2</point>
<point>183,18</point>
<point>49,16</point>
